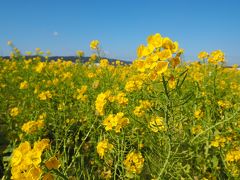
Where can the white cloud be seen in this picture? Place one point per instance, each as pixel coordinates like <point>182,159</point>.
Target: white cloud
<point>55,33</point>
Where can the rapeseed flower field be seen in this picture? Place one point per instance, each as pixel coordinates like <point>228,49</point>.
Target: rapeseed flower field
<point>157,118</point>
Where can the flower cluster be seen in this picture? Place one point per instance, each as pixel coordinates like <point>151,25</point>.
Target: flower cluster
<point>45,95</point>
<point>154,55</point>
<point>104,63</point>
<point>32,126</point>
<point>214,57</point>
<point>224,104</point>
<point>121,98</point>
<point>14,111</point>
<point>40,66</point>
<point>219,141</point>
<point>103,147</point>
<point>52,163</point>
<point>101,101</point>
<point>233,155</point>
<point>80,94</point>
<point>198,114</point>
<point>25,161</point>
<point>156,124</point>
<point>133,85</point>
<point>116,122</point>
<point>79,53</point>
<point>23,85</point>
<point>94,44</point>
<point>140,110</point>
<point>134,162</point>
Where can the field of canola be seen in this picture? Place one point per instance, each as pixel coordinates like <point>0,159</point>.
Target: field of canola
<point>158,118</point>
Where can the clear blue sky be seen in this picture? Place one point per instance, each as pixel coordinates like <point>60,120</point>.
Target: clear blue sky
<point>64,26</point>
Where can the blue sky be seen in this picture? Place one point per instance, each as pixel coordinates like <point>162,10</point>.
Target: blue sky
<point>64,26</point>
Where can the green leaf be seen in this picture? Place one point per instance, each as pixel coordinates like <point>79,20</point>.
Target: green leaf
<point>215,162</point>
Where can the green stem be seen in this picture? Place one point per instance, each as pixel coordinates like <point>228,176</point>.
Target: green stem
<point>165,86</point>
<point>166,161</point>
<point>212,127</point>
<point>79,148</point>
<point>60,174</point>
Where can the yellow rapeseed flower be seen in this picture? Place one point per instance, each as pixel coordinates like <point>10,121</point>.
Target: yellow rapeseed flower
<point>161,67</point>
<point>45,95</point>
<point>39,67</point>
<point>103,147</point>
<point>91,75</point>
<point>167,43</point>
<point>34,157</point>
<point>121,98</point>
<point>133,85</point>
<point>202,55</point>
<point>140,65</point>
<point>14,111</point>
<point>93,57</point>
<point>198,76</point>
<point>23,85</point>
<point>32,126</point>
<point>143,51</point>
<point>219,141</point>
<point>80,94</point>
<point>198,114</point>
<point>174,48</point>
<point>79,53</point>
<point>156,124</point>
<point>134,162</point>
<point>94,44</point>
<point>155,40</point>
<point>104,63</point>
<point>52,163</point>
<point>16,157</point>
<point>175,61</point>
<point>216,56</point>
<point>225,104</point>
<point>145,104</point>
<point>67,75</point>
<point>196,129</point>
<point>164,54</point>
<point>233,155</point>
<point>48,176</point>
<point>25,160</point>
<point>101,101</point>
<point>35,172</point>
<point>41,145</point>
<point>116,122</point>
<point>172,83</point>
<point>139,111</point>
<point>106,174</point>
